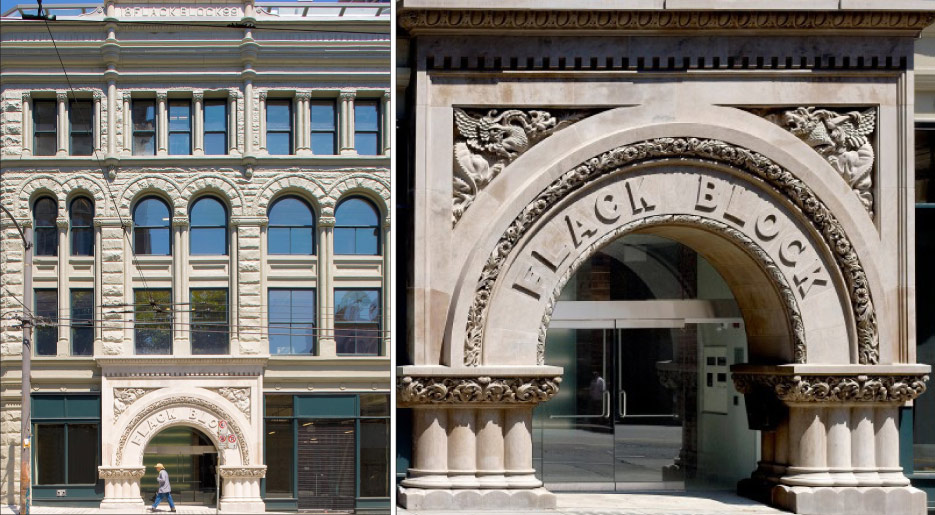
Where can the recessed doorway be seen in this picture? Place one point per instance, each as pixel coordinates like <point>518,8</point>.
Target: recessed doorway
<point>191,460</point>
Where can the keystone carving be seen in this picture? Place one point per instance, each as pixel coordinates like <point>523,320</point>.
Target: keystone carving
<point>861,388</point>
<point>239,397</point>
<point>757,165</point>
<point>475,390</point>
<point>843,139</point>
<point>124,397</point>
<point>486,143</point>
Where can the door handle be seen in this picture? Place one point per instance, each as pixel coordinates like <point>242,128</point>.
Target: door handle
<point>606,411</point>
<point>622,399</point>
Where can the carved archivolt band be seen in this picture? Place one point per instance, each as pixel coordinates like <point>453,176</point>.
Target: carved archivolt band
<point>753,163</point>
<point>793,314</point>
<point>859,388</point>
<point>121,472</point>
<point>475,390</point>
<point>583,20</point>
<point>184,402</point>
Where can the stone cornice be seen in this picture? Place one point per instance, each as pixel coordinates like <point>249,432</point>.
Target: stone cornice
<point>584,21</point>
<point>414,391</point>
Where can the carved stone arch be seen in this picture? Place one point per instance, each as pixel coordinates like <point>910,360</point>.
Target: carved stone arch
<point>309,188</point>
<point>220,186</point>
<point>152,184</point>
<point>363,185</point>
<point>177,408</point>
<point>40,185</point>
<point>86,186</point>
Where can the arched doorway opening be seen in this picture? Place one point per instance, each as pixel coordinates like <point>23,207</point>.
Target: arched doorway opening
<point>191,460</point>
<point>645,330</point>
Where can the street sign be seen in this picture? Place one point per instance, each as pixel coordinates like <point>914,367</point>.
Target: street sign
<point>226,439</point>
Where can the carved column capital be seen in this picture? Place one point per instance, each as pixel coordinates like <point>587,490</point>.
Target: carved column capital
<point>347,94</point>
<point>27,96</point>
<point>62,223</point>
<point>161,96</point>
<point>198,96</point>
<point>817,387</point>
<point>97,95</point>
<point>247,471</point>
<point>121,472</point>
<point>127,96</point>
<point>262,95</point>
<point>303,95</point>
<point>61,96</point>
<point>413,391</point>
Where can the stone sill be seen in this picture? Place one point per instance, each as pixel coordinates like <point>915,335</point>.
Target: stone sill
<point>480,371</point>
<point>832,370</point>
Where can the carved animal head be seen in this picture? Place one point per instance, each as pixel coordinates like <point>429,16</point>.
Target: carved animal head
<point>808,125</point>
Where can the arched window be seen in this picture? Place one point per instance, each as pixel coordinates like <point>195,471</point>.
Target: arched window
<point>291,227</point>
<point>208,227</point>
<point>356,228</point>
<point>45,211</point>
<point>151,228</point>
<point>82,235</point>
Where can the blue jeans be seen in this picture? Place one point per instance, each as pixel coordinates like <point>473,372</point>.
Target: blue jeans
<point>161,496</point>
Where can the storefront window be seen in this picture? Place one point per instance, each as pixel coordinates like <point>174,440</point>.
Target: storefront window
<point>374,458</point>
<point>924,414</point>
<point>279,446</point>
<point>66,441</point>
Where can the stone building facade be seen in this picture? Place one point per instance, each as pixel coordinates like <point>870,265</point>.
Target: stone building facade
<point>180,313</point>
<point>618,210</point>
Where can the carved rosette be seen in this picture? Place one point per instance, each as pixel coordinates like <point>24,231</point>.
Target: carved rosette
<point>255,471</point>
<point>475,390</point>
<point>747,161</point>
<point>121,472</point>
<point>124,397</point>
<point>239,397</point>
<point>844,139</point>
<point>485,143</point>
<point>816,388</point>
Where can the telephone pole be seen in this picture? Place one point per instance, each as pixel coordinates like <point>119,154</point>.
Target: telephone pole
<point>26,416</point>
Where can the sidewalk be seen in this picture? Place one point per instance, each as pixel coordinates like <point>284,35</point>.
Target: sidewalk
<point>65,510</point>
<point>694,503</point>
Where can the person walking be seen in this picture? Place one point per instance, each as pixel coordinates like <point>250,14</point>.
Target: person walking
<point>165,489</point>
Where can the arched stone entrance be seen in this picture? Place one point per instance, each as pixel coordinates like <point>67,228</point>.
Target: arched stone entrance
<point>797,253</point>
<point>240,467</point>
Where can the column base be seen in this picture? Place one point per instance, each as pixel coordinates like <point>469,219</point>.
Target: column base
<point>245,506</point>
<point>127,505</point>
<point>904,500</point>
<point>510,500</point>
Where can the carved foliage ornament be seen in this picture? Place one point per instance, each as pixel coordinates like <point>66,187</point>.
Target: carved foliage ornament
<point>485,143</point>
<point>753,163</point>
<point>479,390</point>
<point>121,473</point>
<point>861,388</point>
<point>842,138</point>
<point>583,20</point>
<point>239,397</point>
<point>792,312</point>
<point>251,472</point>
<point>124,397</point>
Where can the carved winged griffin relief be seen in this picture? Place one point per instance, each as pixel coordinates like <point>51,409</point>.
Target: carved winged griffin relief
<point>843,139</point>
<point>486,143</point>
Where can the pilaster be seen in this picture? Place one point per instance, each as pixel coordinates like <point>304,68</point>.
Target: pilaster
<point>162,124</point>
<point>346,119</point>
<point>27,124</point>
<point>198,123</point>
<point>327,345</point>
<point>62,123</point>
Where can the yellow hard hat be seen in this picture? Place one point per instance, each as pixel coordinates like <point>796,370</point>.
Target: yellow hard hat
<point>159,466</point>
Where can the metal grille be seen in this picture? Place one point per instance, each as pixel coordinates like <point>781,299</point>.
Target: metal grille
<point>326,465</point>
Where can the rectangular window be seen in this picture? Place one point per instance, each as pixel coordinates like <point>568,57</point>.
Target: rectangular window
<point>279,127</point>
<point>210,331</point>
<point>144,127</point>
<point>374,458</point>
<point>44,124</point>
<point>82,322</point>
<point>81,126</point>
<point>357,327</point>
<point>46,335</point>
<point>215,127</point>
<point>152,321</point>
<point>367,127</point>
<point>324,132</point>
<point>280,450</point>
<point>66,441</point>
<point>292,321</point>
<point>924,406</point>
<point>180,127</point>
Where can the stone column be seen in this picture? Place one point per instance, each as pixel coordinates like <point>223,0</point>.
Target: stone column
<point>303,119</point>
<point>64,326</point>
<point>162,125</point>
<point>232,122</point>
<point>240,488</point>
<point>346,121</point>
<point>97,122</point>
<point>122,488</point>
<point>472,436</point>
<point>26,131</point>
<point>327,346</point>
<point>841,435</point>
<point>262,120</point>
<point>388,118</point>
<point>127,125</point>
<point>198,123</point>
<point>62,124</point>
